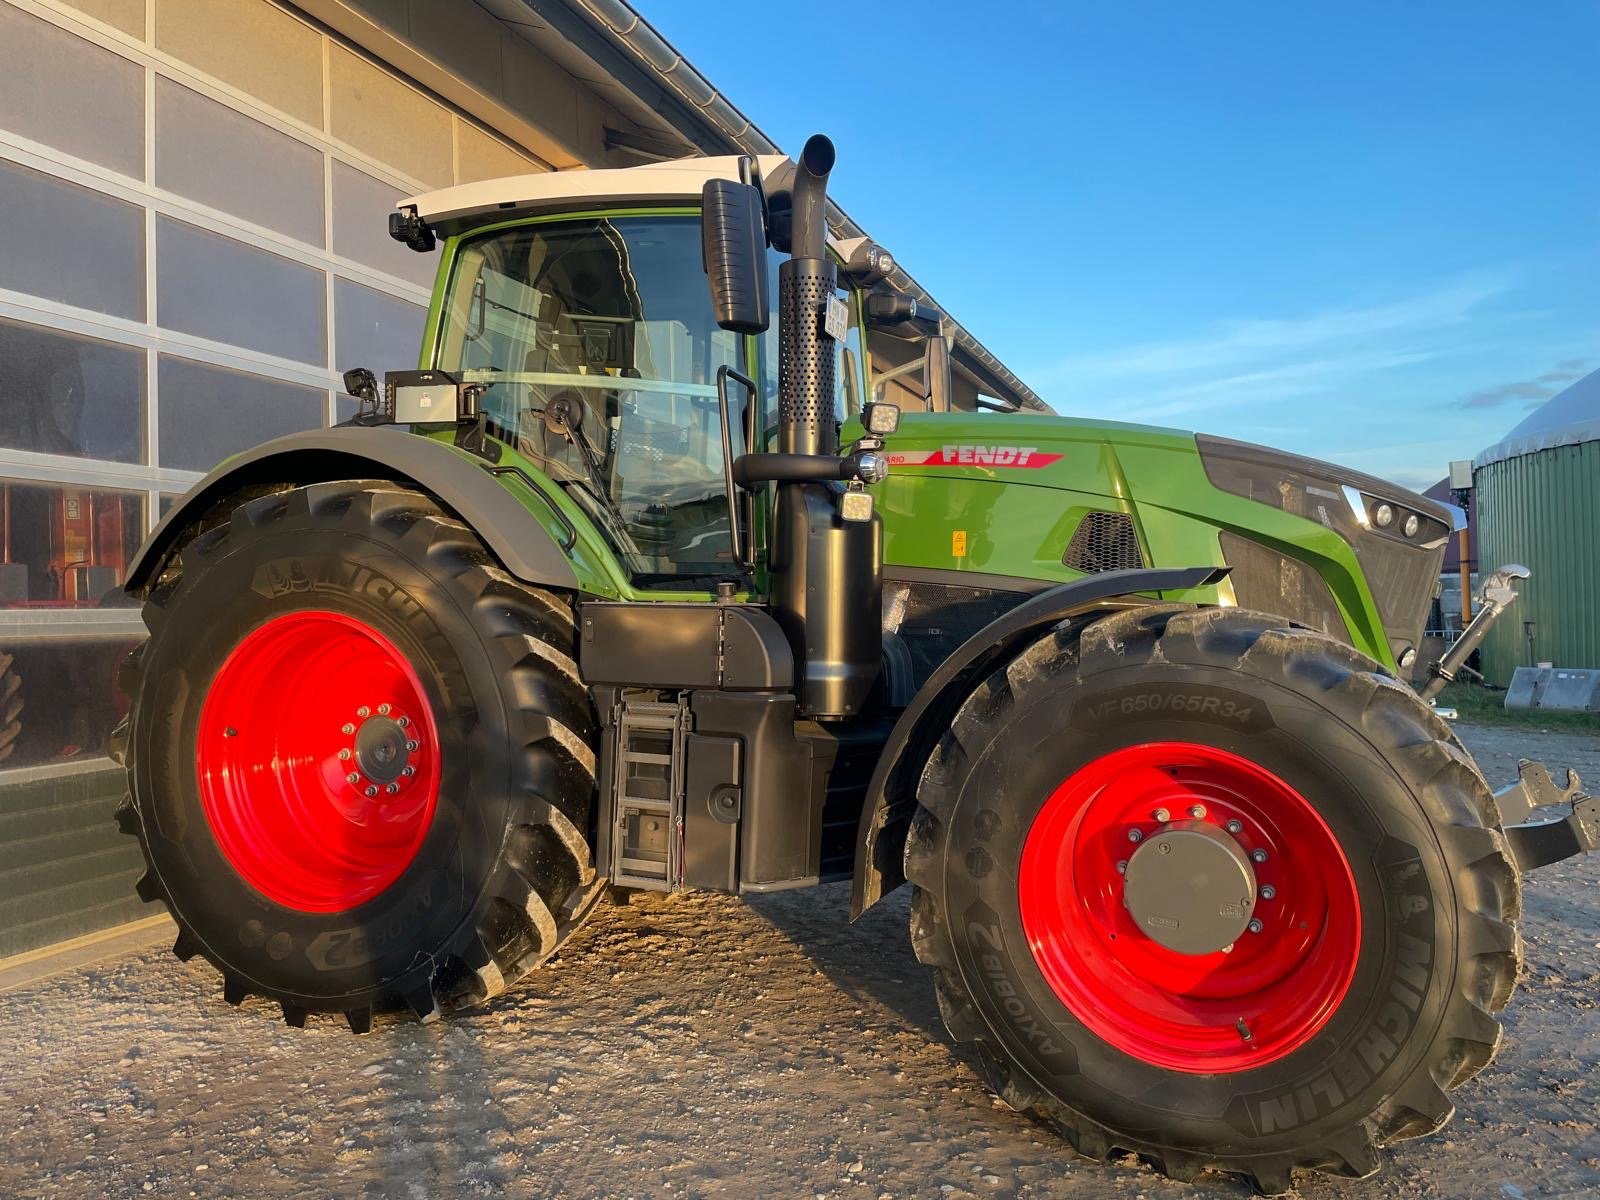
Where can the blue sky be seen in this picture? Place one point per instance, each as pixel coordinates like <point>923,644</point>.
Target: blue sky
<point>1366,232</point>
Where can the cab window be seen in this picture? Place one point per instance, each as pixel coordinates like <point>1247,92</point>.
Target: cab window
<point>600,348</point>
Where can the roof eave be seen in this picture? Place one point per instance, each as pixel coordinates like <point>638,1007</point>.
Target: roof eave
<point>629,34</point>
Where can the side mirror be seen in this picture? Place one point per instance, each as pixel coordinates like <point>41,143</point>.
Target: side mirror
<point>733,250</point>
<point>936,373</point>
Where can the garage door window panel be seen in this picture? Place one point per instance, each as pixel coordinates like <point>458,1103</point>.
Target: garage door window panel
<point>222,158</point>
<point>71,244</point>
<point>374,330</point>
<point>58,89</point>
<point>209,413</point>
<point>65,394</point>
<point>361,207</point>
<point>65,547</point>
<point>214,287</point>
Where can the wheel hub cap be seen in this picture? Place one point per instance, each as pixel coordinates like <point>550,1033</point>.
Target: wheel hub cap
<point>1191,888</point>
<point>380,750</point>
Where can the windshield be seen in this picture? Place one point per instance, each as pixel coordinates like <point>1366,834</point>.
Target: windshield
<point>599,342</point>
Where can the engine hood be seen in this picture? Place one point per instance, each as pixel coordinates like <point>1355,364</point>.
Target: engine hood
<point>1020,448</point>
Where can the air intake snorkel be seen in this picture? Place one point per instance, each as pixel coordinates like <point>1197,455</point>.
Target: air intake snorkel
<point>806,282</point>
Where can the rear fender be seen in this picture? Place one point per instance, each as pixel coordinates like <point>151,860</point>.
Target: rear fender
<point>460,481</point>
<point>891,796</point>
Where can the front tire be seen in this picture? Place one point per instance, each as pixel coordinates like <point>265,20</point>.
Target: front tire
<point>359,756</point>
<point>1363,987</point>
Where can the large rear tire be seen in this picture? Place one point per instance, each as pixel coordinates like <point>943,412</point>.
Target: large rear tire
<point>1381,910</point>
<point>359,756</point>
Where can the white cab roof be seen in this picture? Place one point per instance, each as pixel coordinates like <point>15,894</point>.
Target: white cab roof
<point>679,180</point>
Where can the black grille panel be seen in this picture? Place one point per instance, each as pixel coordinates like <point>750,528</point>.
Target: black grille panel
<point>1269,582</point>
<point>934,619</point>
<point>1104,541</point>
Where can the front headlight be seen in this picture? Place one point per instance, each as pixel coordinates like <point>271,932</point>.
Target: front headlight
<point>1341,499</point>
<point>1398,536</point>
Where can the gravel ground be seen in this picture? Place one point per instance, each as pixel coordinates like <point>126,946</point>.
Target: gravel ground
<point>697,1046</point>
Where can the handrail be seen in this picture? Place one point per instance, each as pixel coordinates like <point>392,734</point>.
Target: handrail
<point>724,372</point>
<point>566,521</point>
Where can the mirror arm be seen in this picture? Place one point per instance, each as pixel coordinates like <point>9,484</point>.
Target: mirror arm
<point>916,364</point>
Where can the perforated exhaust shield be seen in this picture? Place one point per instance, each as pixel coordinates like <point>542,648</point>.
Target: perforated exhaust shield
<point>806,358</point>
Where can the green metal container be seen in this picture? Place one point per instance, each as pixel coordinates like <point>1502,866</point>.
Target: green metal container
<point>1542,509</point>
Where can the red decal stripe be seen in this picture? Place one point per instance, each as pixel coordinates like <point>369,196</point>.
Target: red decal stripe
<point>1010,457</point>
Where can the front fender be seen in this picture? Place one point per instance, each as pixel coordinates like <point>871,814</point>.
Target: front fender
<point>891,796</point>
<point>462,482</point>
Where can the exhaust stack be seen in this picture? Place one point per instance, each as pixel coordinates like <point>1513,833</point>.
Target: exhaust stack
<point>806,282</point>
<point>826,572</point>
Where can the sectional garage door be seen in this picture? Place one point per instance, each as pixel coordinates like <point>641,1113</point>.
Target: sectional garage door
<point>194,248</point>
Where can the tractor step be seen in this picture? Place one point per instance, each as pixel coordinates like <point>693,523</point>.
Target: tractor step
<point>646,848</point>
<point>1540,843</point>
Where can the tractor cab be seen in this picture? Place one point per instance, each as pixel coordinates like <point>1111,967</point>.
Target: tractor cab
<point>574,314</point>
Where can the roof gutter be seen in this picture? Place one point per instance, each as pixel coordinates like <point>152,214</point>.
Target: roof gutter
<point>625,29</point>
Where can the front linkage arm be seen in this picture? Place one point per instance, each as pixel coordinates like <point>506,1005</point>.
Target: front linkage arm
<point>1499,593</point>
<point>1540,843</point>
<point>1532,843</point>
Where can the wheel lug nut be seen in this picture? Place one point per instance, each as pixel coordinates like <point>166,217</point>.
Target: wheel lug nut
<point>1235,826</point>
<point>392,788</point>
<point>412,744</point>
<point>363,712</point>
<point>230,731</point>
<point>403,722</point>
<point>1122,867</point>
<point>353,777</point>
<point>1134,835</point>
<point>1268,891</point>
<point>372,789</point>
<point>383,710</point>
<point>1161,814</point>
<point>1255,925</point>
<point>347,728</point>
<point>344,755</point>
<point>408,771</point>
<point>1258,855</point>
<point>1197,811</point>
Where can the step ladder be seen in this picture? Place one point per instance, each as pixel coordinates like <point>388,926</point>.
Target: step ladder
<point>647,838</point>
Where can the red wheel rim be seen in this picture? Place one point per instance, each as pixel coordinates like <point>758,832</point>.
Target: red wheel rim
<point>318,761</point>
<point>1201,1013</point>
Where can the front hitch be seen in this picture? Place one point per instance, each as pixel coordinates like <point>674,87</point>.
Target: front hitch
<point>1540,843</point>
<point>1499,593</point>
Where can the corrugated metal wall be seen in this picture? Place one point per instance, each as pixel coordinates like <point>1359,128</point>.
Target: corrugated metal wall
<point>1543,510</point>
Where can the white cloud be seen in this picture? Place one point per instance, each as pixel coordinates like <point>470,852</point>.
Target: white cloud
<point>1306,381</point>
<point>1267,385</point>
<point>1248,341</point>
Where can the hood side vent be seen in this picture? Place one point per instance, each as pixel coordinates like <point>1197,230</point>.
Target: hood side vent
<point>1104,541</point>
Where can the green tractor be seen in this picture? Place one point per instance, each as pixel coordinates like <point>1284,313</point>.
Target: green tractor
<point>592,602</point>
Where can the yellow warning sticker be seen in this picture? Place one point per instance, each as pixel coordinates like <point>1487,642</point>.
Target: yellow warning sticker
<point>958,543</point>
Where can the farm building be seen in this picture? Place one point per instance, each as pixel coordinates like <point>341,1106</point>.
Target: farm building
<point>1537,496</point>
